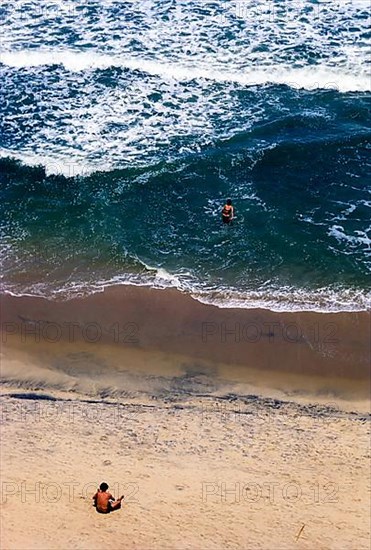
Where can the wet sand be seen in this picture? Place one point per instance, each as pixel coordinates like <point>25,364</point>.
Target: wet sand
<point>327,345</point>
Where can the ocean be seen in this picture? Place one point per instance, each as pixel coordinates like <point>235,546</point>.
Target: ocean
<point>125,126</point>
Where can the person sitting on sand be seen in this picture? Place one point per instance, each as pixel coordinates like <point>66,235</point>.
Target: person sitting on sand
<point>102,500</point>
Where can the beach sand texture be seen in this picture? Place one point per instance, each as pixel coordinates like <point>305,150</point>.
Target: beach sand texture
<point>209,453</point>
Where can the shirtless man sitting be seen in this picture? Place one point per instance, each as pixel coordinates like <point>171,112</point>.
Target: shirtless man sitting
<point>103,500</point>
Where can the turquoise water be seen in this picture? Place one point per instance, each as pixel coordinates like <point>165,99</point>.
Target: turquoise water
<point>125,126</point>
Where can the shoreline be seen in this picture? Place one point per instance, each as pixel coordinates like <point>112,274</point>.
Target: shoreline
<point>160,280</point>
<point>165,332</point>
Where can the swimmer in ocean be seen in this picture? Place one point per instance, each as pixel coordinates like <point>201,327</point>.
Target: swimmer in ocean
<point>227,212</point>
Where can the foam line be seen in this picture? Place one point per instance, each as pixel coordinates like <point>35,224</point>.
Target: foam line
<point>313,77</point>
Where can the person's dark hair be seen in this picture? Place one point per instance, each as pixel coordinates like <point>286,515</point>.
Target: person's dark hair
<point>103,486</point>
<point>229,202</point>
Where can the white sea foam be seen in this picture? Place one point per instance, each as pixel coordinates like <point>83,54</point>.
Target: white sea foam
<point>308,77</point>
<point>359,239</point>
<point>182,64</point>
<point>289,299</point>
<point>151,114</point>
<point>68,165</point>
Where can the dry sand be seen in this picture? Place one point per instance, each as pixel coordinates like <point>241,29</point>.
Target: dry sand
<point>198,474</point>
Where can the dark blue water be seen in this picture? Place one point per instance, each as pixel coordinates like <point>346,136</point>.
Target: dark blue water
<point>124,128</point>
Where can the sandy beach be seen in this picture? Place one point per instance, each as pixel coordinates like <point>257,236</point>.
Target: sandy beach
<point>185,299</point>
<point>215,443</point>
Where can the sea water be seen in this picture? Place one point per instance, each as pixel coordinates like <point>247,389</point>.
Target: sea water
<point>125,126</point>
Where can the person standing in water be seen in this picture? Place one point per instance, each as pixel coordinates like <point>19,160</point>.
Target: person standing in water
<point>227,212</point>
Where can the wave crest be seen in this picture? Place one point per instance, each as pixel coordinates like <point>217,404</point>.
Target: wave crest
<point>307,77</point>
